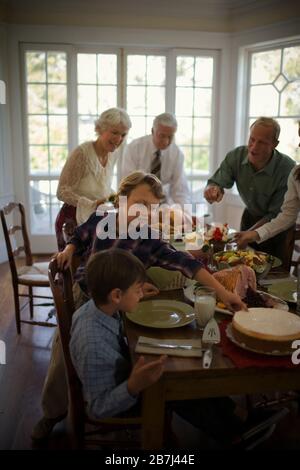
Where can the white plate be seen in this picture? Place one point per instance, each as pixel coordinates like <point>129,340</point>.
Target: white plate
<point>280,304</point>
<point>230,336</point>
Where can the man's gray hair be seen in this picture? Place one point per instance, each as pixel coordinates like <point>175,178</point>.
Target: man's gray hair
<point>268,122</point>
<point>112,117</point>
<point>165,119</point>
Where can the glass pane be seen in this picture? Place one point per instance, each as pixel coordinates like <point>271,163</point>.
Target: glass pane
<point>40,214</point>
<point>197,196</point>
<point>57,99</point>
<point>263,101</point>
<point>291,62</point>
<point>184,134</point>
<point>138,128</point>
<point>184,101</point>
<point>202,105</point>
<point>155,100</point>
<point>201,159</point>
<point>156,70</point>
<point>57,67</point>
<point>202,131</point>
<point>290,100</point>
<point>149,123</point>
<point>204,71</point>
<point>265,66</point>
<point>58,156</point>
<point>86,128</point>
<point>136,69</point>
<point>38,159</point>
<point>107,98</point>
<point>37,130</point>
<point>185,71</point>
<point>136,100</point>
<point>58,130</point>
<point>87,99</point>
<point>289,140</point>
<point>36,66</point>
<point>36,99</point>
<point>107,69</point>
<point>188,158</point>
<point>86,68</point>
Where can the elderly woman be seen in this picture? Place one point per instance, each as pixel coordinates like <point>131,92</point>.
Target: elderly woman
<point>86,178</point>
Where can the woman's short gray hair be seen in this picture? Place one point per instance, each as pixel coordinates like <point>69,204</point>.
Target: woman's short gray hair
<point>165,119</point>
<point>112,117</point>
<point>268,122</point>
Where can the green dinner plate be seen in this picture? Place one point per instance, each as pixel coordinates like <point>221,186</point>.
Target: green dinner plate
<point>285,290</point>
<point>162,314</point>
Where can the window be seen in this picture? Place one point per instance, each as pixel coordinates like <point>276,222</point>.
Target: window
<point>66,89</point>
<point>274,91</point>
<point>47,132</point>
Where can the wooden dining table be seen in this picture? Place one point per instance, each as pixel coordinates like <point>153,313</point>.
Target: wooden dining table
<point>185,379</point>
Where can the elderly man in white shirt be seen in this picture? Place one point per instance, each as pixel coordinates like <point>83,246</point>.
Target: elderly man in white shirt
<point>158,154</point>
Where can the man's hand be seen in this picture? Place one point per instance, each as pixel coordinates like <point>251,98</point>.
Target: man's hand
<point>243,238</point>
<point>145,374</point>
<point>213,193</point>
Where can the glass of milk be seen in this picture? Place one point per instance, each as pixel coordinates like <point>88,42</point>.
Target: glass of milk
<point>205,304</point>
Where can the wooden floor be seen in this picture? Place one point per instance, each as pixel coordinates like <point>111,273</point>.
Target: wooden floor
<point>21,381</point>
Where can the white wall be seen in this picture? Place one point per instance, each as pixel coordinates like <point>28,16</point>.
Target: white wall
<point>6,172</point>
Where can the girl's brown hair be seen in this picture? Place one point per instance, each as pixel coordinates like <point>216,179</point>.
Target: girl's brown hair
<point>137,178</point>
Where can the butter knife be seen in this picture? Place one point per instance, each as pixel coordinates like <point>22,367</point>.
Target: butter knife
<point>170,346</point>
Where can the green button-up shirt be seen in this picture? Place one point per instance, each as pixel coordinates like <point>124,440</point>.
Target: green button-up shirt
<point>261,191</point>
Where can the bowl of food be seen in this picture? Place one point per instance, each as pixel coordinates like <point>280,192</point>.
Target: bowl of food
<point>259,261</point>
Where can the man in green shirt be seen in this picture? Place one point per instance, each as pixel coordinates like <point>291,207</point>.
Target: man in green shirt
<point>260,173</point>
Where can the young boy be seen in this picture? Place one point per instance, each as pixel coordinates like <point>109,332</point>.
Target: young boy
<point>100,355</point>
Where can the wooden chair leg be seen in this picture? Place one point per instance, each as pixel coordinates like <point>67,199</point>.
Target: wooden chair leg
<point>30,289</point>
<point>17,310</point>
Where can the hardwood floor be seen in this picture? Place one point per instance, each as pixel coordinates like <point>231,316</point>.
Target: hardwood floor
<point>21,382</point>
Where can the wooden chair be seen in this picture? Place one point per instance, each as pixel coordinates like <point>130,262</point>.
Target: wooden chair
<point>29,274</point>
<point>83,429</point>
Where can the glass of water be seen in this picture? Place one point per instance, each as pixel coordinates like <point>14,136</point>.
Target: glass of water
<point>205,304</point>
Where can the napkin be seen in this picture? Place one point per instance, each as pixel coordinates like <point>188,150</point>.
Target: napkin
<point>152,346</point>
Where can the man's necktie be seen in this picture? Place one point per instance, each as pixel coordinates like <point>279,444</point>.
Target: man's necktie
<point>156,164</point>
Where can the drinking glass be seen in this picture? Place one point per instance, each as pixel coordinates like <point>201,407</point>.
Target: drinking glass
<point>205,304</point>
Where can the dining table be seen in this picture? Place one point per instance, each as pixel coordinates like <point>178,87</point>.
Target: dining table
<point>184,378</point>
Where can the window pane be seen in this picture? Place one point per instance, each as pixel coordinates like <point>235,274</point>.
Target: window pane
<point>36,99</point>
<point>57,67</point>
<point>202,131</point>
<point>202,106</point>
<point>185,71</point>
<point>86,128</point>
<point>136,70</point>
<point>289,140</point>
<point>184,134</point>
<point>265,66</point>
<point>36,66</point>
<point>57,99</point>
<point>201,159</point>
<point>156,70</point>
<point>86,68</point>
<point>204,71</point>
<point>58,156</point>
<point>184,101</point>
<point>107,98</point>
<point>37,127</point>
<point>138,128</point>
<point>107,69</point>
<point>188,158</point>
<point>263,100</point>
<point>136,100</point>
<point>155,100</point>
<point>291,62</point>
<point>58,130</point>
<point>290,100</point>
<point>87,99</point>
<point>38,157</point>
<point>40,213</point>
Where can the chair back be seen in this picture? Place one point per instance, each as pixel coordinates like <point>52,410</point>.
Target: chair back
<point>13,209</point>
<point>61,286</point>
